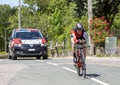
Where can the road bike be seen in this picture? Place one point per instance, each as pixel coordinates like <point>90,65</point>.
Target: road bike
<point>80,60</point>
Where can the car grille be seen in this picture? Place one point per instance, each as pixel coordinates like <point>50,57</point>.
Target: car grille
<point>31,45</point>
<point>32,52</point>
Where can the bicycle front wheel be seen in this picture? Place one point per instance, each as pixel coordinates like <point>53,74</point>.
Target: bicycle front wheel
<point>78,71</point>
<point>84,72</point>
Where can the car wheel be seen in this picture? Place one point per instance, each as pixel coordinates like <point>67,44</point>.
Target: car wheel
<point>38,57</point>
<point>9,56</point>
<point>14,57</point>
<point>45,57</point>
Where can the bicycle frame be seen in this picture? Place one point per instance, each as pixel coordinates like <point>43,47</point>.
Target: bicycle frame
<point>80,60</point>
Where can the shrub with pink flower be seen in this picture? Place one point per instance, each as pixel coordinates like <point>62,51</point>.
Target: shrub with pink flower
<point>99,30</point>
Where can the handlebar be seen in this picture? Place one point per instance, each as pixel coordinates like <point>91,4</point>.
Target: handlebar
<point>78,46</point>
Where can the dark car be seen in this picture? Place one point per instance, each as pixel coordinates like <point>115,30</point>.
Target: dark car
<point>27,43</point>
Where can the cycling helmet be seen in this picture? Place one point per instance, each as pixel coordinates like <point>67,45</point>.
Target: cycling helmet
<point>79,26</point>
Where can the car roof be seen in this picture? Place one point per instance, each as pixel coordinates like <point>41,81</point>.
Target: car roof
<point>26,30</point>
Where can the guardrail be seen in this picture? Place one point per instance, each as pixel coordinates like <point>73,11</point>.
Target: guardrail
<point>58,50</point>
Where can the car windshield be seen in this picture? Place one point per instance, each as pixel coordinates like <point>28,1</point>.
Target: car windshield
<point>28,35</point>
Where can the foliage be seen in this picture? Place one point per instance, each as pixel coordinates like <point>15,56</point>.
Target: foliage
<point>37,5</point>
<point>84,21</point>
<point>55,18</point>
<point>100,30</point>
<point>116,23</point>
<point>58,25</point>
<point>108,8</point>
<point>4,23</point>
<point>81,7</point>
<point>5,12</point>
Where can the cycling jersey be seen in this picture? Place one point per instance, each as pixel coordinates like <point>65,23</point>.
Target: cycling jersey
<point>75,36</point>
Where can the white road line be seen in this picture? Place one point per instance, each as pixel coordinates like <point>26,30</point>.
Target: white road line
<point>39,60</point>
<point>69,69</point>
<point>1,60</point>
<point>52,63</point>
<point>101,82</point>
<point>98,81</point>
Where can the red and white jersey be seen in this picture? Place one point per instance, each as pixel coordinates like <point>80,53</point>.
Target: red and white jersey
<point>75,36</point>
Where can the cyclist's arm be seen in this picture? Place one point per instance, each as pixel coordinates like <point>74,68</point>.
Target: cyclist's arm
<point>73,37</point>
<point>86,37</point>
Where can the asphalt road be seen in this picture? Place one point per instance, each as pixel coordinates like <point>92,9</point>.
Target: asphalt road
<point>59,71</point>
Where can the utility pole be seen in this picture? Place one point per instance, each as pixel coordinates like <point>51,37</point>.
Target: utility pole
<point>19,15</point>
<point>5,41</point>
<point>89,27</point>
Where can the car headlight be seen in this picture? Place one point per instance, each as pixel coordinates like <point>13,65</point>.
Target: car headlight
<point>43,44</point>
<point>18,44</point>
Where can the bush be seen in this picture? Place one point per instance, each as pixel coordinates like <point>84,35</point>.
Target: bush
<point>100,30</point>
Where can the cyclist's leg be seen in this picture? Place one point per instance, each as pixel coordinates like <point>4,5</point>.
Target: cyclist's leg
<point>73,51</point>
<point>83,58</point>
<point>84,54</point>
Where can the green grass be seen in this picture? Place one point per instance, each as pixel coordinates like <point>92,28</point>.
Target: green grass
<point>99,55</point>
<point>3,52</point>
<point>108,55</point>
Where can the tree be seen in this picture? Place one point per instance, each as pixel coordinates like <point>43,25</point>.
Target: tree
<point>5,12</point>
<point>56,18</point>
<point>81,7</point>
<point>37,5</point>
<point>116,25</point>
<point>107,8</point>
<point>61,19</point>
<point>8,11</point>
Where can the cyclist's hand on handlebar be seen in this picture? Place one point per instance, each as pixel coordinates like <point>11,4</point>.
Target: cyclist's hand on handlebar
<point>82,41</point>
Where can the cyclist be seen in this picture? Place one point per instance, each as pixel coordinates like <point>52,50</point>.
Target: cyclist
<point>78,36</point>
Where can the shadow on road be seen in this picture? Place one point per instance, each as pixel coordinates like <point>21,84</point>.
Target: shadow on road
<point>31,58</point>
<point>93,75</point>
